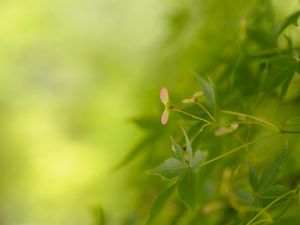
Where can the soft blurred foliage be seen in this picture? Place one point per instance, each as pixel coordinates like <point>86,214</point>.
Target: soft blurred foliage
<point>80,109</point>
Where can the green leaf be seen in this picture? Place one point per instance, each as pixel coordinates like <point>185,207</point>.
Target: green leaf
<point>253,178</point>
<point>244,196</point>
<point>269,194</point>
<point>170,168</point>
<point>179,152</point>
<point>188,147</point>
<point>286,83</point>
<point>209,93</point>
<point>270,173</point>
<point>293,121</point>
<point>187,189</point>
<point>278,78</point>
<point>282,61</point>
<point>198,159</point>
<point>292,19</point>
<point>159,203</point>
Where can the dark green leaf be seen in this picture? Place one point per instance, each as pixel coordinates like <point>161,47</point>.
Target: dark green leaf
<point>178,150</point>
<point>269,194</point>
<point>278,78</point>
<point>209,93</point>
<point>188,147</point>
<point>187,189</point>
<point>253,178</point>
<point>286,84</point>
<point>270,173</point>
<point>159,203</point>
<point>198,159</point>
<point>282,61</point>
<point>170,168</point>
<point>292,19</point>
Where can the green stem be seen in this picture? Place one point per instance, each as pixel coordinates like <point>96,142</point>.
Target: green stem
<point>267,52</point>
<point>270,205</point>
<point>191,115</point>
<point>234,150</point>
<point>206,111</point>
<point>261,121</point>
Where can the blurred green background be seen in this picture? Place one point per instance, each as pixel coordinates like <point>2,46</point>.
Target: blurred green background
<point>73,73</point>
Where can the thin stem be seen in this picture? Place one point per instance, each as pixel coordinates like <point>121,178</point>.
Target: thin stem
<point>234,150</point>
<point>199,132</point>
<point>272,51</point>
<point>270,205</point>
<point>191,115</point>
<point>206,111</point>
<point>290,131</point>
<point>263,122</point>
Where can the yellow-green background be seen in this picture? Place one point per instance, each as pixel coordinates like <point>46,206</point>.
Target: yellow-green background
<point>72,74</point>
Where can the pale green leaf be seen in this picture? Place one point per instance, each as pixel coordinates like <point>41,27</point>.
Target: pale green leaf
<point>198,159</point>
<point>178,150</point>
<point>209,93</point>
<point>170,168</point>
<point>188,147</point>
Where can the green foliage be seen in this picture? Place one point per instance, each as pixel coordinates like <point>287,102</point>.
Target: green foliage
<point>235,115</point>
<point>292,19</point>
<point>159,203</point>
<point>170,168</point>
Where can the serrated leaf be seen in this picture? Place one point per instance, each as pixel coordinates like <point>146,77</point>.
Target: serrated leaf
<point>198,159</point>
<point>179,152</point>
<point>170,168</point>
<point>159,203</point>
<point>209,93</point>
<point>187,189</point>
<point>270,173</point>
<point>188,146</point>
<point>292,19</point>
<point>253,178</point>
<point>293,121</point>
